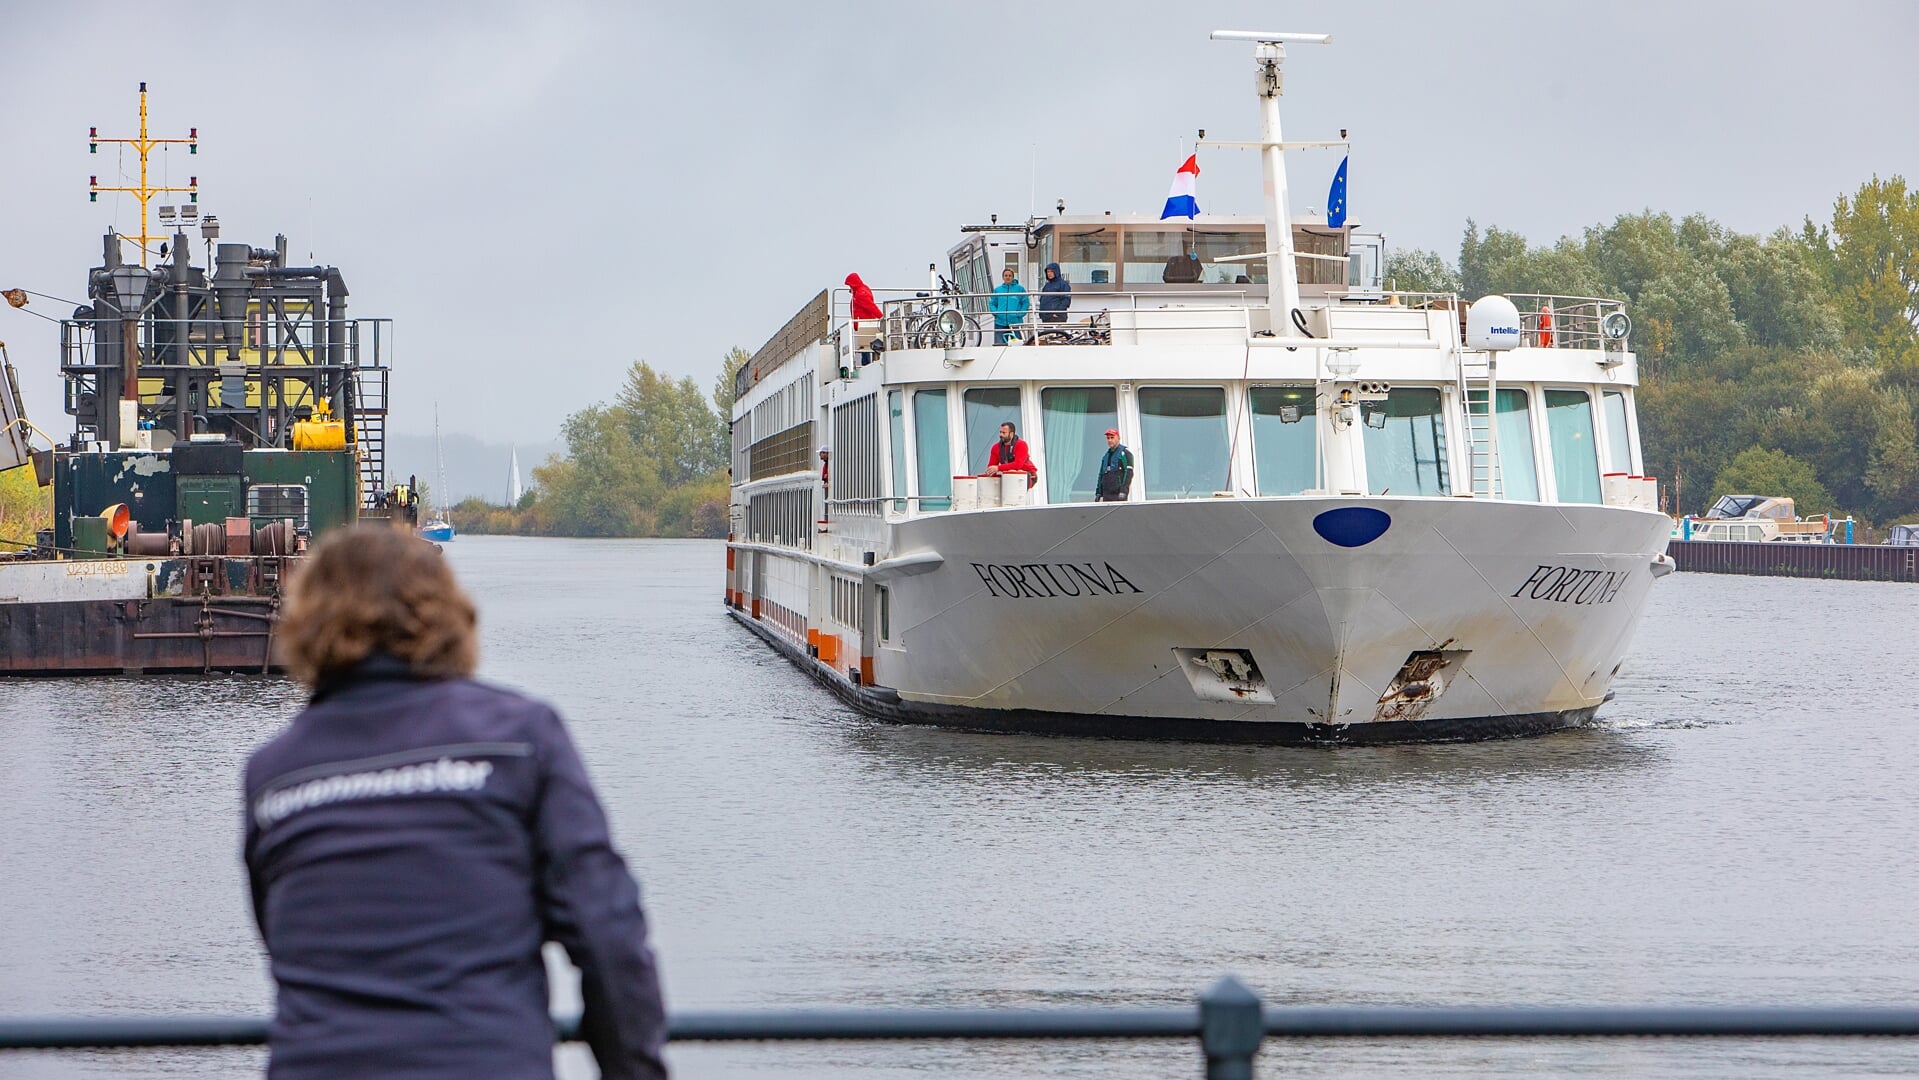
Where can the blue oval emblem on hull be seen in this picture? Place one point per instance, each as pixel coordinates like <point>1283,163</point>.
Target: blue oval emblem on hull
<point>1352,526</point>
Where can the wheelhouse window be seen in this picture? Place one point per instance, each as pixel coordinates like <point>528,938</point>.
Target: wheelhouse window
<point>1076,419</point>
<point>896,445</point>
<point>1183,448</point>
<point>987,407</point>
<point>1569,431</point>
<point>1518,479</point>
<point>1405,441</point>
<point>1085,256</point>
<point>1618,446</point>
<point>1285,439</point>
<point>933,453</point>
<point>1159,255</point>
<point>1320,271</point>
<point>1212,246</point>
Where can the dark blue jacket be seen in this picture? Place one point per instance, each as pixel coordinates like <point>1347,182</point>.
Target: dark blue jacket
<point>411,844</point>
<point>1057,293</point>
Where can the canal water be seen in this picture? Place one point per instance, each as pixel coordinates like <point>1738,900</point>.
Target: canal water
<point>1739,829</point>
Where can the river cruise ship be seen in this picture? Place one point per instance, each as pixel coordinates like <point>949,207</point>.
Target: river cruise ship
<point>1353,516</point>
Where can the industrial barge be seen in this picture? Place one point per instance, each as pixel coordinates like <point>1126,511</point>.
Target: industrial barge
<point>1357,515</point>
<point>223,415</point>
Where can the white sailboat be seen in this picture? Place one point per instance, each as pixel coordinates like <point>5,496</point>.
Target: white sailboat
<point>437,528</point>
<point>1352,519</point>
<point>513,487</point>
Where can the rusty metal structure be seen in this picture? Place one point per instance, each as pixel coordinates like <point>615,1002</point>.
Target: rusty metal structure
<point>224,413</point>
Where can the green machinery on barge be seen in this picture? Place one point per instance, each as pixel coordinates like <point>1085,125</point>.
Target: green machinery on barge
<point>223,416</point>
<point>224,413</point>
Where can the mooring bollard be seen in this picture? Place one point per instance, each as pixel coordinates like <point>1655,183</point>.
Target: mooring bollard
<point>1230,1029</point>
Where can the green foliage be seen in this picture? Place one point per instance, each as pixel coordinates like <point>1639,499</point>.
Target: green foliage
<point>1418,270</point>
<point>1801,346</point>
<point>670,425</point>
<point>1755,471</point>
<point>1870,260</point>
<point>25,508</point>
<point>736,359</point>
<point>652,463</point>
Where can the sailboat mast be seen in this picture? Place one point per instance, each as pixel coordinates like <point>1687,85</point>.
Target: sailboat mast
<point>439,456</point>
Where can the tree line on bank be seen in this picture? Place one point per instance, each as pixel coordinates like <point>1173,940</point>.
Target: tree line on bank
<point>652,462</point>
<point>1785,364</point>
<point>1779,365</point>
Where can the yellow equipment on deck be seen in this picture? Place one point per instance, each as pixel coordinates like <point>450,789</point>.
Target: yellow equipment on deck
<point>321,431</point>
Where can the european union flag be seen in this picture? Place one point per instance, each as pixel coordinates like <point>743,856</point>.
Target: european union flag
<point>1336,197</point>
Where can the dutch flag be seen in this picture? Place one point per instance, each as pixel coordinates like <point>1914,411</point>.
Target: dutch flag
<point>1183,200</point>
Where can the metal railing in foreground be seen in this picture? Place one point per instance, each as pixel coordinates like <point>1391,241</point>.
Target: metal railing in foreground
<point>1229,1022</point>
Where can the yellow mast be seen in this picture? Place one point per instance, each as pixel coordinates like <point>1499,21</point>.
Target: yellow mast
<point>144,192</point>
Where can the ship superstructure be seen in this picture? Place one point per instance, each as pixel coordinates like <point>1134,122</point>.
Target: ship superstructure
<point>224,413</point>
<point>1356,516</point>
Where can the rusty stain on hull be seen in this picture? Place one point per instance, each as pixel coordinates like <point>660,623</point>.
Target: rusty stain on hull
<point>1420,682</point>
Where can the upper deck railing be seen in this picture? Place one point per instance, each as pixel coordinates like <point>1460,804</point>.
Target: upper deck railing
<point>948,319</point>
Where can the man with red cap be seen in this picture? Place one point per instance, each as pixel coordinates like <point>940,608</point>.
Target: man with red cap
<point>1115,471</point>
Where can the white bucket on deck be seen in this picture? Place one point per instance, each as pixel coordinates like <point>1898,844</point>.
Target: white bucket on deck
<point>1617,489</point>
<point>966,493</point>
<point>988,491</point>
<point>1012,489</point>
<point>1645,492</point>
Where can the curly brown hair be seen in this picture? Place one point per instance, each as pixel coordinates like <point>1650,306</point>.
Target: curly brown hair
<point>375,588</point>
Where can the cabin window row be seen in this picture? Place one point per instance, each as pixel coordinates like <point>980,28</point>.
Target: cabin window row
<point>844,601</point>
<point>782,517</point>
<point>854,471</point>
<point>1184,440</point>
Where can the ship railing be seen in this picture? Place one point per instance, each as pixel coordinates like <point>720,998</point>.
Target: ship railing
<point>1228,1020</point>
<point>1547,321</point>
<point>1564,322</point>
<point>1092,318</point>
<point>185,343</point>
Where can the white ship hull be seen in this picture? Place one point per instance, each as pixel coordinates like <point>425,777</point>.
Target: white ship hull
<point>1235,620</point>
<point>1353,514</point>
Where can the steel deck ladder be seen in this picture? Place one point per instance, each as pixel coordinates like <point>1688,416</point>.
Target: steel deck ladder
<point>1483,464</point>
<point>369,429</point>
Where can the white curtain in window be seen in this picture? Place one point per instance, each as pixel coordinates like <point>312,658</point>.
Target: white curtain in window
<point>1076,419</point>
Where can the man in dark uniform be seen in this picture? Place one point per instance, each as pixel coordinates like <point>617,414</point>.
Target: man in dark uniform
<point>414,837</point>
<point>1115,470</point>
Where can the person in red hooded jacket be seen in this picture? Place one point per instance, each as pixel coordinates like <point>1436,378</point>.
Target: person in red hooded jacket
<point>864,306</point>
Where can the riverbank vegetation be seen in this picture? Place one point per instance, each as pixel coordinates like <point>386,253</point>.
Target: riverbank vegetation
<point>1778,365</point>
<point>25,508</point>
<point>651,462</point>
<point>1785,364</point>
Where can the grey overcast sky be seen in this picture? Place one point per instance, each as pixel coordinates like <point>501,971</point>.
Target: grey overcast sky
<point>541,194</point>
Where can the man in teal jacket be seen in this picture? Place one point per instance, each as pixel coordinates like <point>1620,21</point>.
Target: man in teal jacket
<point>1009,306</point>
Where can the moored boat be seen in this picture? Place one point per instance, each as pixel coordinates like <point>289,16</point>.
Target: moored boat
<point>1356,515</point>
<point>224,415</point>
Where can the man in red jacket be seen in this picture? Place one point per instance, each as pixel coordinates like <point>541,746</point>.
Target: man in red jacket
<point>1010,455</point>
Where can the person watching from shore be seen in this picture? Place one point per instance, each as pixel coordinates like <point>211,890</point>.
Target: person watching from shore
<point>1009,454</point>
<point>1115,481</point>
<point>1055,296</point>
<point>414,836</point>
<point>1009,305</point>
